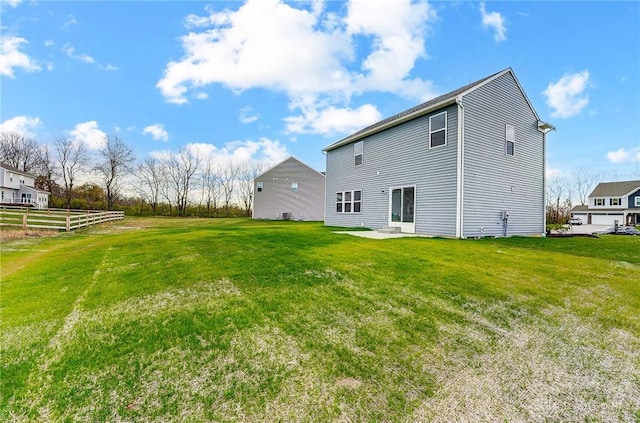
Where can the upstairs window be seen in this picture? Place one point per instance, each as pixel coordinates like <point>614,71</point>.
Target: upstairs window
<point>357,153</point>
<point>259,186</point>
<point>637,203</point>
<point>294,187</point>
<point>598,201</point>
<point>438,130</point>
<point>510,139</point>
<point>615,201</point>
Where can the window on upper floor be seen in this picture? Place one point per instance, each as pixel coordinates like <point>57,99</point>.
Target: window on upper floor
<point>598,201</point>
<point>438,130</point>
<point>259,186</point>
<point>10,177</point>
<point>615,201</point>
<point>637,203</point>
<point>358,149</point>
<point>294,187</point>
<point>510,139</point>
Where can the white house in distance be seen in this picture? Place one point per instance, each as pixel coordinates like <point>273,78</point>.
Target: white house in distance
<point>18,188</point>
<point>611,201</point>
<point>470,163</point>
<point>290,190</point>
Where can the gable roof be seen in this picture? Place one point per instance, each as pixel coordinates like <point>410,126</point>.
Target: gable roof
<point>429,106</point>
<point>286,160</point>
<point>615,189</point>
<point>15,170</point>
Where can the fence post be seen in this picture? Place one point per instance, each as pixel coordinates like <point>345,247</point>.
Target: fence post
<point>68,223</point>
<point>24,222</point>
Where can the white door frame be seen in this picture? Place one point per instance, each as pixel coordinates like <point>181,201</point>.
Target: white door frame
<point>406,227</point>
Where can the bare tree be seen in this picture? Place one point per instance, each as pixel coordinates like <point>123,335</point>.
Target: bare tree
<point>19,151</point>
<point>180,168</point>
<point>228,175</point>
<point>558,200</point>
<point>210,185</point>
<point>115,161</point>
<point>584,181</point>
<point>247,172</point>
<point>72,157</point>
<point>46,170</point>
<point>150,175</point>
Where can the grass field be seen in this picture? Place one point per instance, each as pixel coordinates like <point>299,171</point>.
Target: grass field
<point>235,320</point>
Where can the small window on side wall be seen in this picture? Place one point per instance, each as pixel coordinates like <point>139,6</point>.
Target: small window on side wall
<point>358,149</point>
<point>438,130</point>
<point>294,187</point>
<point>510,139</point>
<point>259,186</point>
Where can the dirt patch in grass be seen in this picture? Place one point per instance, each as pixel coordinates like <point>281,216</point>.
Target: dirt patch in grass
<point>7,234</point>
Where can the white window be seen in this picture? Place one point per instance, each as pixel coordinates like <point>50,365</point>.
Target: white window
<point>438,130</point>
<point>259,186</point>
<point>10,177</point>
<point>615,201</point>
<point>598,201</point>
<point>510,139</point>
<point>358,153</point>
<point>637,203</point>
<point>294,187</point>
<point>349,201</point>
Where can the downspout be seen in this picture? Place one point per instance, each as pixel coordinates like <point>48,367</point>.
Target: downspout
<point>460,175</point>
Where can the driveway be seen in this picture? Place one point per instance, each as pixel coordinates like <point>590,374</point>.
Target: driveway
<point>585,229</point>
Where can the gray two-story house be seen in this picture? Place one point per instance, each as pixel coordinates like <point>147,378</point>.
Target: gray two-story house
<point>611,202</point>
<point>291,190</point>
<point>470,163</point>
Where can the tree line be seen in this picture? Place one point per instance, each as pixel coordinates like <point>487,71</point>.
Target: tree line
<point>175,183</point>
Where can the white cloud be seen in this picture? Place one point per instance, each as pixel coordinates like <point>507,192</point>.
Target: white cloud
<point>11,57</point>
<point>11,3</point>
<point>70,51</point>
<point>22,125</point>
<point>89,134</point>
<point>306,53</point>
<point>49,43</point>
<point>398,35</point>
<point>247,115</point>
<point>157,132</point>
<point>495,21</point>
<point>623,156</point>
<point>566,97</point>
<point>552,173</point>
<point>331,120</point>
<point>111,67</point>
<point>265,149</point>
<point>69,22</point>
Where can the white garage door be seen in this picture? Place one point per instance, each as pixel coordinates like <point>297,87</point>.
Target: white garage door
<point>606,219</point>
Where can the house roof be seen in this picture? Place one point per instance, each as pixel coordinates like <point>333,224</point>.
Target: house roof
<point>429,106</point>
<point>580,208</point>
<point>15,170</point>
<point>615,189</point>
<point>286,160</point>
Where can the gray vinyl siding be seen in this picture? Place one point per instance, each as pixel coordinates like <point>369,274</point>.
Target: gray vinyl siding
<point>398,156</point>
<point>277,198</point>
<point>489,174</point>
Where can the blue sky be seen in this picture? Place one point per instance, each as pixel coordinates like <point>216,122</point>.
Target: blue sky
<point>266,79</point>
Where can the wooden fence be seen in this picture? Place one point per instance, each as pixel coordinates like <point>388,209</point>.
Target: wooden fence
<point>56,219</point>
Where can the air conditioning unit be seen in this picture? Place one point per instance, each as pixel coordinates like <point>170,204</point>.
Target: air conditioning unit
<point>286,216</point>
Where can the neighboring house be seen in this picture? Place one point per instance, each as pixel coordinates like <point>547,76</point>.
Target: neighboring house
<point>470,163</point>
<point>18,188</point>
<point>290,190</point>
<point>611,201</point>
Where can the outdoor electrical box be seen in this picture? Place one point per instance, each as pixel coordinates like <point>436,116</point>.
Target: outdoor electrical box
<point>505,214</point>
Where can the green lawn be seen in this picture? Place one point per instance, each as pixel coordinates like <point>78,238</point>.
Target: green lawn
<point>238,320</point>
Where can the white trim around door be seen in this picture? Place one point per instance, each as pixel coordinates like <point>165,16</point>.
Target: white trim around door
<point>402,208</point>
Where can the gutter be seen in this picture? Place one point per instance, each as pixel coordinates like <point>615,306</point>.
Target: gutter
<point>460,173</point>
